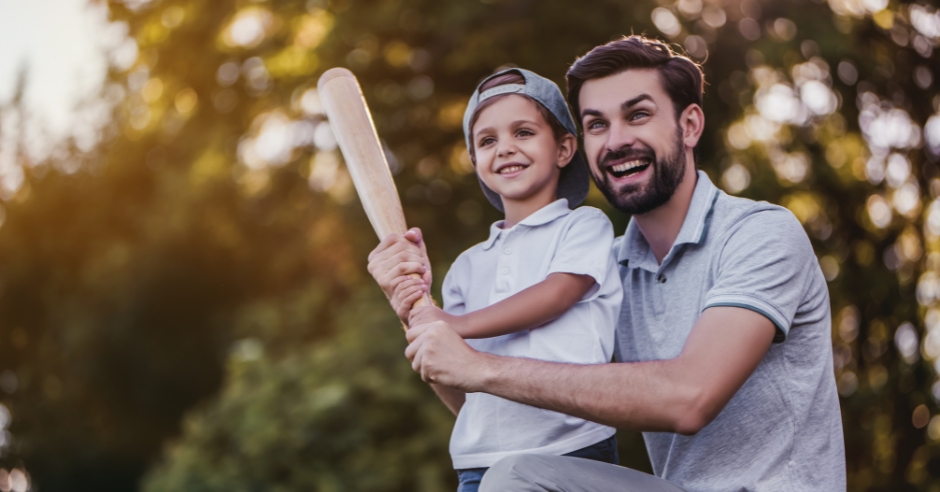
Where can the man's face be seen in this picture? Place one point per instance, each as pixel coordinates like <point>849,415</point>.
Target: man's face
<point>632,139</point>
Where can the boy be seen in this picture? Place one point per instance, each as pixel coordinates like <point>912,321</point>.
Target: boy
<point>543,286</point>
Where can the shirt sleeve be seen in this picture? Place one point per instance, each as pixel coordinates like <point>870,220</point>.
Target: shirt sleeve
<point>452,291</point>
<point>585,247</point>
<point>764,266</point>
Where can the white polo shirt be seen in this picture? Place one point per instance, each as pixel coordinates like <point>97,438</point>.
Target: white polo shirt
<point>553,239</point>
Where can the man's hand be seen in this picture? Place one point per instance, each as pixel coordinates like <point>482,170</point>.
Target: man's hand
<point>397,256</point>
<point>393,260</point>
<point>440,356</point>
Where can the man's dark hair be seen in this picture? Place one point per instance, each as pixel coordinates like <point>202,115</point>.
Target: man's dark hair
<point>681,77</point>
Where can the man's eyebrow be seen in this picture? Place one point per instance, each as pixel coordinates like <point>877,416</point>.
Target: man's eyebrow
<point>623,107</point>
<point>632,102</point>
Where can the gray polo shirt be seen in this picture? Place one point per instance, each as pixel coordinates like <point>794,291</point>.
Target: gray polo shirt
<point>782,431</point>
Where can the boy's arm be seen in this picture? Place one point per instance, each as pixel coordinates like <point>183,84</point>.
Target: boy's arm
<point>527,309</point>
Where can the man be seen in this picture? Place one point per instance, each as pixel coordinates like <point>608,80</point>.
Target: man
<point>724,351</point>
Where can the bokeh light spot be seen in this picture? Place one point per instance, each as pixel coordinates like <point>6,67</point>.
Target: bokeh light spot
<point>248,28</point>
<point>228,73</point>
<point>186,100</point>
<point>715,17</point>
<point>905,339</point>
<point>784,29</point>
<point>921,416</point>
<point>152,90</point>
<point>879,211</point>
<point>848,74</point>
<point>830,267</point>
<point>933,429</point>
<point>666,21</point>
<point>736,178</point>
<point>749,29</point>
<point>847,383</point>
<point>310,103</point>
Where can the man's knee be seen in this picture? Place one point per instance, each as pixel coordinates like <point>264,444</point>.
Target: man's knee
<point>516,473</point>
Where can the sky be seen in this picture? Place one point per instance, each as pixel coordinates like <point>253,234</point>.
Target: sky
<point>59,43</point>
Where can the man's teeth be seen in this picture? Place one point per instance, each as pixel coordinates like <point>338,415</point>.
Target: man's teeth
<point>626,166</point>
<point>511,169</point>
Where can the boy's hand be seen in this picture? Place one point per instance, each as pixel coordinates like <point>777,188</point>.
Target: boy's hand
<point>396,257</point>
<point>429,314</point>
<point>406,292</point>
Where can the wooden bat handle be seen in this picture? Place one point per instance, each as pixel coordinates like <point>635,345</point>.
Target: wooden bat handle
<point>355,132</point>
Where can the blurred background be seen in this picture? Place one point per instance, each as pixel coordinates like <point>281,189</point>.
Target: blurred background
<point>184,303</point>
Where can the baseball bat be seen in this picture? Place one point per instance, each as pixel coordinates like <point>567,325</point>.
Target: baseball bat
<point>355,132</point>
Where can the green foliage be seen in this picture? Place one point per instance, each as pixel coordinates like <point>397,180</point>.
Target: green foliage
<point>347,415</point>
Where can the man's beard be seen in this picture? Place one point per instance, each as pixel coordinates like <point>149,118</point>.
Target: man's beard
<point>634,199</point>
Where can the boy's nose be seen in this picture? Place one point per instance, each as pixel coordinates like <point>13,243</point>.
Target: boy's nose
<point>506,151</point>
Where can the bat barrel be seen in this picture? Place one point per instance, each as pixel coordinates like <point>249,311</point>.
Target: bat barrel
<point>355,132</point>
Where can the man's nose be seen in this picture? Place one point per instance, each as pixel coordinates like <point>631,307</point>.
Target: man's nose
<point>620,136</point>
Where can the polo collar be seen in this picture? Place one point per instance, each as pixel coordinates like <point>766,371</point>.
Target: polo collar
<point>636,252</point>
<point>558,208</point>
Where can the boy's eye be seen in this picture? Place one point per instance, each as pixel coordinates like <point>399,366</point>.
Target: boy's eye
<point>486,141</point>
<point>524,132</point>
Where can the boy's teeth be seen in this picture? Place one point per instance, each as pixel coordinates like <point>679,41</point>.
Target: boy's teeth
<point>626,166</point>
<point>510,169</point>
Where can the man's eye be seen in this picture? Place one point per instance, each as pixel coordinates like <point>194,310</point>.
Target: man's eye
<point>638,115</point>
<point>596,125</point>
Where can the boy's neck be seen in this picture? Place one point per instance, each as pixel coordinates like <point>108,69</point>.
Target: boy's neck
<point>517,211</point>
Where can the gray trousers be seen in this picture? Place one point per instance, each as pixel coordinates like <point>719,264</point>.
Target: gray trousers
<point>537,473</point>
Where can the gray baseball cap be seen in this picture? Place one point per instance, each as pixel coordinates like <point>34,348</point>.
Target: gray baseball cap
<point>574,181</point>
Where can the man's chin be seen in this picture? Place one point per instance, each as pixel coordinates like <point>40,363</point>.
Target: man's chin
<point>633,198</point>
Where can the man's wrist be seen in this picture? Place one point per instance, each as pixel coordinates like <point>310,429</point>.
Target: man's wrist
<point>488,373</point>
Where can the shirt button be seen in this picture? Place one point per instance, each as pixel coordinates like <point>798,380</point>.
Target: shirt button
<point>505,270</point>
<point>662,279</point>
<point>507,251</point>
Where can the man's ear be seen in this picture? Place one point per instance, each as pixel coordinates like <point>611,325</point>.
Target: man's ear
<point>567,148</point>
<point>692,122</point>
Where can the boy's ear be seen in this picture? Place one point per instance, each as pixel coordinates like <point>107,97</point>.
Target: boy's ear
<point>567,148</point>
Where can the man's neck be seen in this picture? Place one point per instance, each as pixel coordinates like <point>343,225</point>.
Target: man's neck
<point>661,226</point>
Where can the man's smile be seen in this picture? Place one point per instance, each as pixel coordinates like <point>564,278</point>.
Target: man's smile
<point>629,168</point>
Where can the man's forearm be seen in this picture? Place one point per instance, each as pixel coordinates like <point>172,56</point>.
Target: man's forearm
<point>452,398</point>
<point>679,395</point>
<point>645,396</point>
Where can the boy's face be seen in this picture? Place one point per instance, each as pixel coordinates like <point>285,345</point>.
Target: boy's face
<point>516,153</point>
<point>632,139</point>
